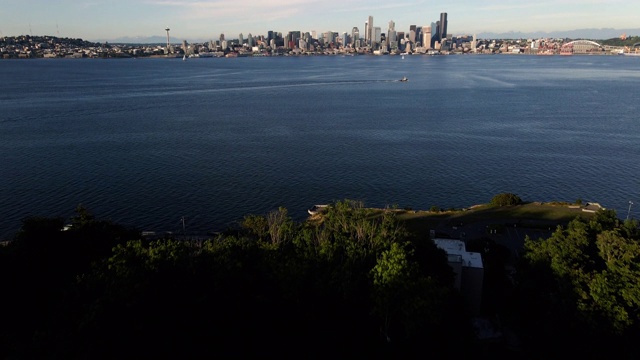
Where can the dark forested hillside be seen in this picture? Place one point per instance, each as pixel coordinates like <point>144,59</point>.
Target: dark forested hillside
<point>354,283</point>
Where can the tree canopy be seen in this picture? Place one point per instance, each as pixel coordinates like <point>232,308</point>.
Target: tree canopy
<point>582,282</point>
<point>353,284</point>
<point>506,199</point>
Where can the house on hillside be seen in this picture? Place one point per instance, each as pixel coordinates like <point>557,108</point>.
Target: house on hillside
<point>468,268</point>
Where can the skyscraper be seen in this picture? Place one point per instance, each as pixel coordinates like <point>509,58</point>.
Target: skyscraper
<point>435,33</point>
<point>369,31</point>
<point>443,26</point>
<point>355,36</point>
<point>412,33</point>
<point>391,34</point>
<point>426,37</point>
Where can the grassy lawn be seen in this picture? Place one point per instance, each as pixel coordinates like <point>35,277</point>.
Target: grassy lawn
<point>528,215</point>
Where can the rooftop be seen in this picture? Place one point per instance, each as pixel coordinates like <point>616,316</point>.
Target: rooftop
<point>457,247</point>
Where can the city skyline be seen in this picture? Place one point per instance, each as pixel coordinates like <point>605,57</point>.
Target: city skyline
<point>191,20</point>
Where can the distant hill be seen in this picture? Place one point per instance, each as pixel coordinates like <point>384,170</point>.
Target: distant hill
<point>593,34</point>
<point>149,40</point>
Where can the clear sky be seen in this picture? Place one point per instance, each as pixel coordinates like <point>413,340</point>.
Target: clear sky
<point>199,19</point>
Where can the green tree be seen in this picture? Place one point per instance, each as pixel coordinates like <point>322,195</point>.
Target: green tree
<point>391,276</point>
<point>583,280</point>
<point>615,291</point>
<point>506,199</point>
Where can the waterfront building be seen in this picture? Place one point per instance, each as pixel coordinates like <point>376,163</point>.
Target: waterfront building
<point>250,40</point>
<point>240,39</point>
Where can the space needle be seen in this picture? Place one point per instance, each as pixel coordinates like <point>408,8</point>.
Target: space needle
<point>167,30</point>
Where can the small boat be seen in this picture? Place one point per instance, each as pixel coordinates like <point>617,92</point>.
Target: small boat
<point>404,79</point>
<point>316,209</point>
<point>184,57</point>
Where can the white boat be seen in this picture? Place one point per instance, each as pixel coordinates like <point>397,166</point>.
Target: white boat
<point>316,209</point>
<point>404,79</point>
<point>184,58</point>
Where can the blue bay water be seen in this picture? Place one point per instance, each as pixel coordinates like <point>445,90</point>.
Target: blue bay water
<point>146,142</point>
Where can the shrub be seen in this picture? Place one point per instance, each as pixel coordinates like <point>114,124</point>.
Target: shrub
<point>506,199</point>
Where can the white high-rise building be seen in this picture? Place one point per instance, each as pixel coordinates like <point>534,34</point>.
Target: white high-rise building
<point>391,34</point>
<point>366,32</point>
<point>426,37</point>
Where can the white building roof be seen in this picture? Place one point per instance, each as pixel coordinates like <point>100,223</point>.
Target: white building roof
<point>456,247</point>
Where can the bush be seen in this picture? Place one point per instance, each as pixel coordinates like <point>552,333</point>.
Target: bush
<point>506,199</point>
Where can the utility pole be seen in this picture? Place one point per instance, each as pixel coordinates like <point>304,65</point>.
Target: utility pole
<point>629,211</point>
<point>184,233</point>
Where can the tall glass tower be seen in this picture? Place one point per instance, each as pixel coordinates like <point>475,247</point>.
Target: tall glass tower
<point>443,26</point>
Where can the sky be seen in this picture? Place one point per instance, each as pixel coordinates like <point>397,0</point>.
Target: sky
<point>192,20</point>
